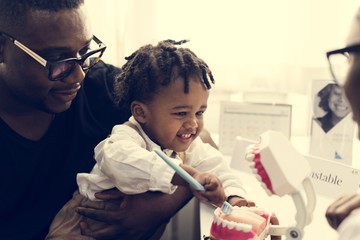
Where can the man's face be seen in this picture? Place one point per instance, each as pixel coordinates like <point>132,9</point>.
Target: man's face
<point>173,118</point>
<point>24,82</point>
<point>352,87</point>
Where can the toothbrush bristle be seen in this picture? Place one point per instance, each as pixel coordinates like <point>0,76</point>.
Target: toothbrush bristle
<point>226,208</point>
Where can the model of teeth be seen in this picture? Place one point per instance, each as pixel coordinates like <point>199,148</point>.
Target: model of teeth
<point>244,223</point>
<point>277,164</point>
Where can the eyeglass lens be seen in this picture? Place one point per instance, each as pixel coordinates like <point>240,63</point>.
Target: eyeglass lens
<point>339,66</point>
<point>61,69</point>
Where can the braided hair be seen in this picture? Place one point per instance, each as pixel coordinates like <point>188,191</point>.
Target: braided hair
<point>152,67</point>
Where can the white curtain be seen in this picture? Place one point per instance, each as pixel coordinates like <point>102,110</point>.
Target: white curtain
<point>256,45</point>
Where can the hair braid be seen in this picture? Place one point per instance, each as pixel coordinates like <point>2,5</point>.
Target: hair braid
<point>151,67</point>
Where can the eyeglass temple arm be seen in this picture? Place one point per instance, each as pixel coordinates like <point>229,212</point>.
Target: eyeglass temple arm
<point>25,49</point>
<point>31,53</point>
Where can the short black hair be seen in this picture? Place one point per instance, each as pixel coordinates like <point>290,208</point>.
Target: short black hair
<point>151,67</point>
<point>13,12</point>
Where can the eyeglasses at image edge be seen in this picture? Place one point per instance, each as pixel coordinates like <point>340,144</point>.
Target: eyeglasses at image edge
<point>344,51</point>
<point>51,65</point>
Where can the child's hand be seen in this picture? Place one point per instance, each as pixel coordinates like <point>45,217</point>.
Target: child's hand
<point>214,191</point>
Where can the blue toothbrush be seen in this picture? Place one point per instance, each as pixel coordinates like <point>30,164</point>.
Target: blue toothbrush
<point>182,173</point>
<point>225,208</point>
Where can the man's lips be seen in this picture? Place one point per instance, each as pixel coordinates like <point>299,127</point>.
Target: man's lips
<point>66,94</point>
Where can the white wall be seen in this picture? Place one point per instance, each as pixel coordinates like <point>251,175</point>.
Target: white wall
<point>249,44</point>
<point>257,45</point>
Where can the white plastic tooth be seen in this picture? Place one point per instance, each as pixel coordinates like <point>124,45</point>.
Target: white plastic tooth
<point>249,156</point>
<point>264,185</point>
<point>231,225</point>
<point>249,148</point>
<point>249,151</point>
<point>217,220</point>
<point>258,177</point>
<point>243,227</point>
<point>269,193</point>
<point>252,164</point>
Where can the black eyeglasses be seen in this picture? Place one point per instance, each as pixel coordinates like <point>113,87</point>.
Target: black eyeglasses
<point>339,62</point>
<point>59,70</point>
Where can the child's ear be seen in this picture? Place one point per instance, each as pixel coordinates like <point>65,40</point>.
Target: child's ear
<point>138,110</point>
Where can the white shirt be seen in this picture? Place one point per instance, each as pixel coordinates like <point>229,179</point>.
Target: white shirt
<point>125,160</point>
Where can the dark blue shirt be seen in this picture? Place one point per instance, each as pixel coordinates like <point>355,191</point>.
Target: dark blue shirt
<point>38,177</point>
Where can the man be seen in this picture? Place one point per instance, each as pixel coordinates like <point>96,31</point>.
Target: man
<point>343,214</point>
<point>52,116</point>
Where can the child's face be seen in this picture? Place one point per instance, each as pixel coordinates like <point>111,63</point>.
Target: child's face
<point>174,119</point>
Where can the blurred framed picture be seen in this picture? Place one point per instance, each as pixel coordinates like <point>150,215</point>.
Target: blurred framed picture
<point>332,127</point>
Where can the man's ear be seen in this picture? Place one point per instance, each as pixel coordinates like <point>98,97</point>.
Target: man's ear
<point>138,110</point>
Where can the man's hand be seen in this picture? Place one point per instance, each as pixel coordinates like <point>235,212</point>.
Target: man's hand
<point>240,201</point>
<point>134,216</point>
<point>341,208</point>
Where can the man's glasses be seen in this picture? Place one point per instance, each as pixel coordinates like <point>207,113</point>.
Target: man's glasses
<point>339,62</point>
<point>59,70</point>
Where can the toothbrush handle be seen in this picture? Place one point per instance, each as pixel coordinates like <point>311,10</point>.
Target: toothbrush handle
<point>187,177</point>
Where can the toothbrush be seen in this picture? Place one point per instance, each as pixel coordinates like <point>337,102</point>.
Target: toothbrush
<point>187,177</point>
<point>226,207</point>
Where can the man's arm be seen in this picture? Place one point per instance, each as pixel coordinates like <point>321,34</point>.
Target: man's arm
<point>138,216</point>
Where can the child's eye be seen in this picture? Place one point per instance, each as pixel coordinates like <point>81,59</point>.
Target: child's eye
<point>180,113</point>
<point>200,113</point>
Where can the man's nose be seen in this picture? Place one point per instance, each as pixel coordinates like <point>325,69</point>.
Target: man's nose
<point>76,76</point>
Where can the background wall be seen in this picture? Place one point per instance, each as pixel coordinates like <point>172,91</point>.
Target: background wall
<point>251,46</point>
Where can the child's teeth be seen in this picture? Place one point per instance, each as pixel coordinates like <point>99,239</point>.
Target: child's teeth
<point>185,135</point>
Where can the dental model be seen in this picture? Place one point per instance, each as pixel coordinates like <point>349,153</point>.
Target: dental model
<point>250,223</point>
<point>277,164</point>
<point>282,170</point>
